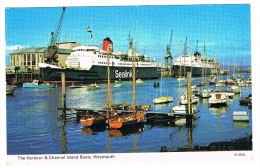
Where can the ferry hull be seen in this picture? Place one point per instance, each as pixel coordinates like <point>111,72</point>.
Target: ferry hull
<point>195,71</point>
<point>98,73</point>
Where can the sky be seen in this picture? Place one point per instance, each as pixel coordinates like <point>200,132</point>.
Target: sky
<point>225,29</point>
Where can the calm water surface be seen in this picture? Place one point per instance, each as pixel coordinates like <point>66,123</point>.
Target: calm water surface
<point>34,125</point>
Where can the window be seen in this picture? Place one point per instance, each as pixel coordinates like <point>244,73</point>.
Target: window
<point>24,59</point>
<point>33,59</point>
<point>28,59</point>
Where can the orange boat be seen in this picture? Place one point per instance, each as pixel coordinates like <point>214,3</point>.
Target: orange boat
<point>97,119</point>
<point>127,120</point>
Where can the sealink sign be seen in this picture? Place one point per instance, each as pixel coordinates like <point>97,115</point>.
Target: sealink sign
<point>124,74</point>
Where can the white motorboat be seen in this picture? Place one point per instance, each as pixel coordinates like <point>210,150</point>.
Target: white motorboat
<point>163,99</point>
<point>184,99</point>
<point>93,86</point>
<point>205,92</point>
<point>235,89</point>
<point>218,98</point>
<point>10,89</point>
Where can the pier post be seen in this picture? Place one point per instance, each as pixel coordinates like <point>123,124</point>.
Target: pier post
<point>63,95</point>
<point>189,116</point>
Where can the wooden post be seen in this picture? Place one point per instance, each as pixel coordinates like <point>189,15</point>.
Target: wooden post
<point>189,115</point>
<point>189,92</point>
<point>63,95</point>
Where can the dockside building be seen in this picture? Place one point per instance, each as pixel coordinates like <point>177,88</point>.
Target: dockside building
<point>27,59</point>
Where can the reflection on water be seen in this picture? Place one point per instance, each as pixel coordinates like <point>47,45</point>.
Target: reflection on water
<point>126,131</point>
<point>240,124</point>
<point>219,110</point>
<point>92,130</point>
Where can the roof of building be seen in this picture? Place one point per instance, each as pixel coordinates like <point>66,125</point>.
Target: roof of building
<point>64,51</point>
<point>38,50</point>
<point>29,50</point>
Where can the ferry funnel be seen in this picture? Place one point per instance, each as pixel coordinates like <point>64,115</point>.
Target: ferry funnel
<point>107,43</point>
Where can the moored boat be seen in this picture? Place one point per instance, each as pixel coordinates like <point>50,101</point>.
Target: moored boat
<point>218,99</point>
<point>131,119</point>
<point>246,100</point>
<point>36,84</point>
<point>163,99</point>
<point>235,89</point>
<point>184,99</point>
<point>92,86</point>
<point>93,120</point>
<point>10,89</point>
<point>205,92</point>
<point>240,116</point>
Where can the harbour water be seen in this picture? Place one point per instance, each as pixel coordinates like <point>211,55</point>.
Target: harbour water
<point>34,125</point>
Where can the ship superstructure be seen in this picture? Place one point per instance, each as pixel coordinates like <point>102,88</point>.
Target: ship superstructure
<point>196,64</point>
<point>88,63</point>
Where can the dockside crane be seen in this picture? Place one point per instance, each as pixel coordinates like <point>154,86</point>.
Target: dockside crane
<point>52,50</point>
<point>168,56</point>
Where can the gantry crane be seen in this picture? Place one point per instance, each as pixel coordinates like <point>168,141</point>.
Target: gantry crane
<point>52,50</point>
<point>168,56</point>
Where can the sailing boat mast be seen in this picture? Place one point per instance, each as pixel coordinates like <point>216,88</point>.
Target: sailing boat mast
<point>108,78</point>
<point>134,78</point>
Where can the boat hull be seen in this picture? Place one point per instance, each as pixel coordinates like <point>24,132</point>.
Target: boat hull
<point>98,73</point>
<point>117,124</point>
<point>195,71</point>
<point>92,122</point>
<point>10,91</point>
<point>31,85</point>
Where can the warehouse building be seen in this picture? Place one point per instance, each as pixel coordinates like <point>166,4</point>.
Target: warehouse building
<point>27,59</point>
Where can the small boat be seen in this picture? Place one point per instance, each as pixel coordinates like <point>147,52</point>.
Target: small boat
<point>144,107</point>
<point>184,99</point>
<point>139,81</point>
<point>228,93</point>
<point>195,89</point>
<point>163,99</point>
<point>92,86</point>
<point>202,84</point>
<point>78,86</point>
<point>220,83</point>
<point>218,98</point>
<point>205,92</point>
<point>235,89</point>
<point>130,119</point>
<point>118,83</point>
<point>180,78</point>
<point>240,116</point>
<point>230,82</point>
<point>180,109</point>
<point>246,100</point>
<point>36,84</point>
<point>156,84</point>
<point>212,80</point>
<point>10,89</point>
<point>93,120</point>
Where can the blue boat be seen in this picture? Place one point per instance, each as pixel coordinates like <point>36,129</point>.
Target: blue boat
<point>35,84</point>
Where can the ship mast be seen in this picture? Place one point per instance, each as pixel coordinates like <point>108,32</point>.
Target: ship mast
<point>134,80</point>
<point>91,35</point>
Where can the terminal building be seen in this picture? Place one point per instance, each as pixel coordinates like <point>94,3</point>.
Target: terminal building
<point>27,59</point>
